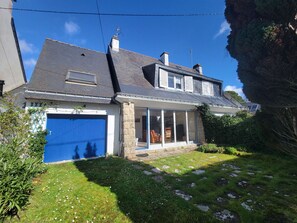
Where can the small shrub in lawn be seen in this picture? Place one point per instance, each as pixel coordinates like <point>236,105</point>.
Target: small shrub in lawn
<point>231,151</point>
<point>210,148</point>
<point>16,176</point>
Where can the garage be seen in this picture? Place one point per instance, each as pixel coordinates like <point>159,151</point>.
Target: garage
<point>74,136</point>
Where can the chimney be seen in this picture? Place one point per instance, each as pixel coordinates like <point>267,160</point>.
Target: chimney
<point>164,57</point>
<point>198,68</point>
<point>115,43</point>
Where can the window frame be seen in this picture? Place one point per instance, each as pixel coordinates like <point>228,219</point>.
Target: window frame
<point>175,77</point>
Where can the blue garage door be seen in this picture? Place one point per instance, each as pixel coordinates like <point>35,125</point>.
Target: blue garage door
<point>74,137</point>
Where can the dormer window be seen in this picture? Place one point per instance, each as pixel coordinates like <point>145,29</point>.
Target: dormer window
<point>175,82</point>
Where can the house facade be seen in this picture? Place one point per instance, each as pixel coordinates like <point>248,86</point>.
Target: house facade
<point>127,101</point>
<point>73,89</point>
<point>159,101</point>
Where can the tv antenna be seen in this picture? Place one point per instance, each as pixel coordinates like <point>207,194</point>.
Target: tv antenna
<point>118,31</point>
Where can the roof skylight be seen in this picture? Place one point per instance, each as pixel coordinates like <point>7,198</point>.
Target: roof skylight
<point>81,78</point>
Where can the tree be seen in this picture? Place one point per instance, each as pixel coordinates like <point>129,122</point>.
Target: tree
<point>263,40</point>
<point>236,96</point>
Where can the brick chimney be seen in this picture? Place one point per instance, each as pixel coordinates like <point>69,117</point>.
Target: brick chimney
<point>164,57</point>
<point>198,68</point>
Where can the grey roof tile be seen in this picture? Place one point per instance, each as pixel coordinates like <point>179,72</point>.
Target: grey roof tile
<point>128,68</point>
<point>57,58</point>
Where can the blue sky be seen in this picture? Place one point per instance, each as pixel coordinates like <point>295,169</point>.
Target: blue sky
<point>205,36</point>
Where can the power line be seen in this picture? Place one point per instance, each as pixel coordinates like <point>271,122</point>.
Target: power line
<point>101,28</point>
<point>116,14</point>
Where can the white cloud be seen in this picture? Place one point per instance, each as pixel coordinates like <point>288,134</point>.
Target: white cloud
<point>30,62</point>
<point>71,28</point>
<point>236,89</point>
<point>225,27</point>
<point>26,47</point>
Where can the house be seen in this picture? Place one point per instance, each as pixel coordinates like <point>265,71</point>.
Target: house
<point>253,107</point>
<point>12,75</point>
<point>74,87</point>
<point>128,102</point>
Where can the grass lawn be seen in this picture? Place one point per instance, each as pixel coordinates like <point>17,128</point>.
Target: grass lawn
<point>249,188</point>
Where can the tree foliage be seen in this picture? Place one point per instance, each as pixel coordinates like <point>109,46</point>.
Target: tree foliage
<point>236,96</point>
<point>263,40</point>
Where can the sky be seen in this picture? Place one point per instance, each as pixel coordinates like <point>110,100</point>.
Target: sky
<point>188,40</point>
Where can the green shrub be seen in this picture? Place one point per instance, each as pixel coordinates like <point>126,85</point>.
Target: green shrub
<point>16,176</point>
<point>239,130</point>
<point>21,152</point>
<point>210,148</point>
<point>231,151</point>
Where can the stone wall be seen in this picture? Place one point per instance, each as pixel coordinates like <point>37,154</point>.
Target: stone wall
<point>201,133</point>
<point>128,130</point>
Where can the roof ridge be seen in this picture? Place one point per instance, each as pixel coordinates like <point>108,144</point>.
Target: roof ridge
<point>72,45</point>
<point>173,64</point>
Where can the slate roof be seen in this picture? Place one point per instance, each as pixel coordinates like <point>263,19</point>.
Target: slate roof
<point>56,59</point>
<point>127,69</point>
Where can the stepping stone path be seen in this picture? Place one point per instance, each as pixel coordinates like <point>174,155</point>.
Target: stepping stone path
<point>242,183</point>
<point>202,207</point>
<point>222,181</point>
<point>237,171</point>
<point>165,167</point>
<point>183,195</point>
<point>147,172</point>
<point>251,173</point>
<point>246,206</point>
<point>226,216</point>
<point>137,167</point>
<point>231,166</point>
<point>212,157</point>
<point>269,176</point>
<point>158,179</point>
<point>233,175</point>
<point>220,199</point>
<point>232,195</point>
<point>192,185</point>
<point>198,172</point>
<point>156,170</point>
<point>177,171</point>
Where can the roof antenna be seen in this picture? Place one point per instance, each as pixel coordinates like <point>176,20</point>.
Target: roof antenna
<point>118,32</point>
<point>191,57</point>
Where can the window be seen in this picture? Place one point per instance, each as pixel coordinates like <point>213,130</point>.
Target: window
<point>79,77</point>
<point>175,82</point>
<point>178,83</point>
<point>170,81</point>
<point>207,88</point>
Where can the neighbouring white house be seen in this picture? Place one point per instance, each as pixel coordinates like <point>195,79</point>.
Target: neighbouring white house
<point>12,73</point>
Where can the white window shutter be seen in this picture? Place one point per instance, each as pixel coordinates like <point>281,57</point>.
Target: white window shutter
<point>211,90</point>
<point>163,78</point>
<point>188,83</point>
<point>207,88</point>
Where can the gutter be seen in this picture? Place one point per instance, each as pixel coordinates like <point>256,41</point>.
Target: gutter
<point>138,97</point>
<point>67,95</point>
